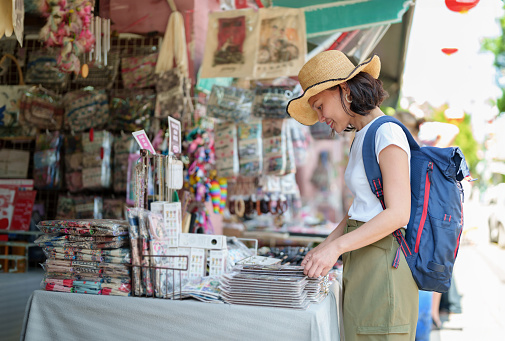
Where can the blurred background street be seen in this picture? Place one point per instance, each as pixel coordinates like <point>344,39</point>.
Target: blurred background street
<point>480,279</point>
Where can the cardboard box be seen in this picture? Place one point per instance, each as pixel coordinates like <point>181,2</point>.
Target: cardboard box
<point>14,163</point>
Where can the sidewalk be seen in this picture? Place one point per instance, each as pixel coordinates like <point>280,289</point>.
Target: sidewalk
<point>480,276</point>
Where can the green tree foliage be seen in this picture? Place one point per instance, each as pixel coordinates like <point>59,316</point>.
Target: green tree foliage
<point>497,47</point>
<point>464,139</point>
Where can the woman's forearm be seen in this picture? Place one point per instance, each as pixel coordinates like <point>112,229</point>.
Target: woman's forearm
<point>377,228</point>
<point>338,231</point>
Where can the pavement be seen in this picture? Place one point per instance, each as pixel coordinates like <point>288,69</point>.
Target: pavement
<point>479,272</point>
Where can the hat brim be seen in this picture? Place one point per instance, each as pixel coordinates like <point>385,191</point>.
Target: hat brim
<point>300,109</point>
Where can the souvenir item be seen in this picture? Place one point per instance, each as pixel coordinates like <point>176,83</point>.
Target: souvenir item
<point>138,72</point>
<point>274,147</point>
<point>73,162</point>
<point>88,207</point>
<point>123,147</point>
<point>7,46</point>
<point>97,150</point>
<point>226,149</point>
<point>10,97</point>
<point>66,207</point>
<point>199,146</point>
<point>68,29</point>
<point>230,47</point>
<point>172,82</point>
<point>47,161</point>
<point>271,101</point>
<point>42,68</point>
<point>290,151</point>
<point>250,148</point>
<point>170,94</point>
<point>300,136</point>
<point>131,110</point>
<point>282,45</point>
<point>100,75</point>
<point>230,103</point>
<point>86,109</point>
<point>41,108</point>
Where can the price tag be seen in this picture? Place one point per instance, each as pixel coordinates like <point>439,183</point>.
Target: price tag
<point>174,127</point>
<point>143,141</point>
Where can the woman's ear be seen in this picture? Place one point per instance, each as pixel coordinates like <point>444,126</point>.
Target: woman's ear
<point>344,87</point>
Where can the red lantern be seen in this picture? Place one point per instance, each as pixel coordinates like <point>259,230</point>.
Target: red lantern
<point>461,6</point>
<point>449,50</point>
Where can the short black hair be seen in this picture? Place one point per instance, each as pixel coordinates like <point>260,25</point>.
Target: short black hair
<point>366,94</point>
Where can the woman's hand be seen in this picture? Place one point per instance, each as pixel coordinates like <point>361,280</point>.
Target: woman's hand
<point>320,260</point>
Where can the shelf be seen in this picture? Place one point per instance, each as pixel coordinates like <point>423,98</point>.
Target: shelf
<point>32,233</point>
<point>12,257</point>
<point>17,244</point>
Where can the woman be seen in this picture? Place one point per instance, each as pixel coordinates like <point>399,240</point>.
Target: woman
<point>379,301</point>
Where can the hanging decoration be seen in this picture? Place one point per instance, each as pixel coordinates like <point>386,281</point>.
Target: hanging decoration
<point>461,6</point>
<point>449,50</point>
<point>199,146</point>
<point>68,28</point>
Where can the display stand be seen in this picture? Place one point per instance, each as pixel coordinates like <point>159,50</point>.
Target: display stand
<point>6,256</point>
<point>63,316</point>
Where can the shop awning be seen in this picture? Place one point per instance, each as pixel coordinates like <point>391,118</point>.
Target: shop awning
<point>324,17</point>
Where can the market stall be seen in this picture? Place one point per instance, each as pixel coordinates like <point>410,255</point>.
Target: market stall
<point>53,316</point>
<point>148,141</point>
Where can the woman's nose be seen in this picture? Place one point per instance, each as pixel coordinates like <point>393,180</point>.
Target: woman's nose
<point>320,117</point>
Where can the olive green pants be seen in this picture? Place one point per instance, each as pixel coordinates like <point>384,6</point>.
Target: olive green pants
<point>379,301</point>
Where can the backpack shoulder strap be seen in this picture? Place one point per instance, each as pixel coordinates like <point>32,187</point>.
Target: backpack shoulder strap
<point>372,169</point>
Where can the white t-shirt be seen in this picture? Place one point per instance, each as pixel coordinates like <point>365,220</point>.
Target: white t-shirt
<point>365,205</point>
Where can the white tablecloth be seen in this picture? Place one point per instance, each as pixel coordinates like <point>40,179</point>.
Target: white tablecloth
<point>67,316</point>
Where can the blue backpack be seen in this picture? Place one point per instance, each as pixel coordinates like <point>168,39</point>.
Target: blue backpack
<point>433,233</point>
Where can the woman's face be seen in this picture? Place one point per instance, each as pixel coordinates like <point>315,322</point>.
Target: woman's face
<point>328,107</point>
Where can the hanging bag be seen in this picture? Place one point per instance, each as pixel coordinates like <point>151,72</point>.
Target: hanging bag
<point>138,72</point>
<point>42,68</point>
<point>86,109</point>
<point>41,108</point>
<point>10,96</point>
<point>172,83</point>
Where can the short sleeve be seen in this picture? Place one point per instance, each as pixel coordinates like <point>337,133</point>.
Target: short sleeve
<point>388,134</point>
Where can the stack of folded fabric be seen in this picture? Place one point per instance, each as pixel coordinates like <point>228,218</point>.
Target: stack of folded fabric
<point>86,256</point>
<point>273,286</point>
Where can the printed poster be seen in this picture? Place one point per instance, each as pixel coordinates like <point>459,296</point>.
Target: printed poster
<point>282,44</point>
<point>231,44</point>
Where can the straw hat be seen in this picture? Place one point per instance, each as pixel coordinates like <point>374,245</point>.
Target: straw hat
<point>322,72</point>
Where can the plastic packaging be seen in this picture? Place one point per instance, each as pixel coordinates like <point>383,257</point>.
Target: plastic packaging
<point>73,162</point>
<point>96,172</point>
<point>88,207</point>
<point>135,242</point>
<point>290,152</point>
<point>85,227</point>
<point>226,150</point>
<point>123,147</point>
<point>86,109</point>
<point>131,110</point>
<point>274,147</point>
<point>300,137</point>
<point>41,108</point>
<point>47,161</point>
<point>271,101</point>
<point>230,104</point>
<point>250,148</point>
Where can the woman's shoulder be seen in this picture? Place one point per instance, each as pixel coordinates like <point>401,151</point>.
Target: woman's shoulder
<point>391,130</point>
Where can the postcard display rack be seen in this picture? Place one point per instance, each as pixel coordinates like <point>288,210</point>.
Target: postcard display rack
<point>167,263</point>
